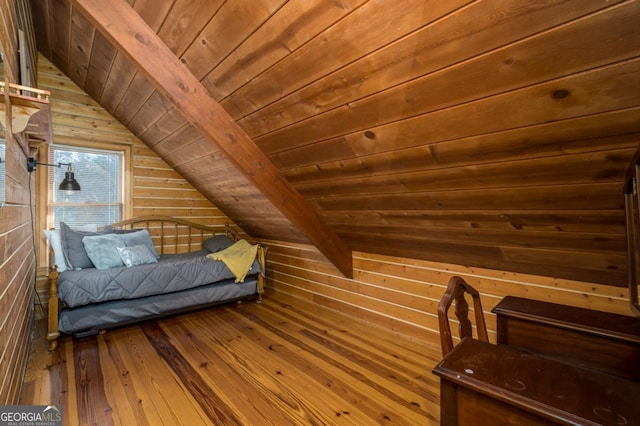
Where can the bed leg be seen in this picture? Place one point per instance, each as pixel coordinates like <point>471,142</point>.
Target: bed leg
<point>52,310</point>
<point>260,288</point>
<point>262,259</point>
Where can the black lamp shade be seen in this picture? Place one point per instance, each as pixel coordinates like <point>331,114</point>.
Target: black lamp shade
<point>69,183</point>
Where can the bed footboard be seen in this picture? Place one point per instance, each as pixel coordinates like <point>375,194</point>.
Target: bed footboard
<point>262,259</point>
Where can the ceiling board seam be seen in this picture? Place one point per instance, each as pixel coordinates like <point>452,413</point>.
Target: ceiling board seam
<point>293,174</point>
<point>69,39</point>
<point>47,14</point>
<point>226,97</point>
<point>142,104</point>
<point>93,50</point>
<point>133,76</point>
<point>492,230</point>
<point>164,20</point>
<point>390,230</point>
<point>477,244</point>
<point>180,55</point>
<point>161,117</point>
<point>578,212</point>
<point>93,36</point>
<point>466,103</point>
<point>318,181</point>
<point>425,115</point>
<point>458,190</point>
<point>495,50</point>
<point>231,51</point>
<point>335,71</point>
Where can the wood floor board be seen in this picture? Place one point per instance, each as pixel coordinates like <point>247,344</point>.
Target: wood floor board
<point>359,376</point>
<point>282,362</point>
<point>314,380</point>
<point>277,371</point>
<point>217,410</point>
<point>93,407</point>
<point>157,391</point>
<point>365,341</point>
<point>236,376</point>
<point>127,392</point>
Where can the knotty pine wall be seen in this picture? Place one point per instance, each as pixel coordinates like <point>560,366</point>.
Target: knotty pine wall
<point>17,260</point>
<point>402,294</point>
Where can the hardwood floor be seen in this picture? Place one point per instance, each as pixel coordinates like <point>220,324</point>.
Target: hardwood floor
<point>280,362</point>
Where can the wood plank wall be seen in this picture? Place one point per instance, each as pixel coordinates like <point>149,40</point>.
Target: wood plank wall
<point>17,260</point>
<point>155,188</point>
<point>402,294</point>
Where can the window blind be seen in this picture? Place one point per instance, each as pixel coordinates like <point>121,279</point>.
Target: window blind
<point>100,175</point>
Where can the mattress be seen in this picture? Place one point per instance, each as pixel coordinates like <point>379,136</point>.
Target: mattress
<point>90,319</point>
<point>172,273</point>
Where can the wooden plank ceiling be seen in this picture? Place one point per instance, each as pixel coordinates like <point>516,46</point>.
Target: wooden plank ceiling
<point>483,133</point>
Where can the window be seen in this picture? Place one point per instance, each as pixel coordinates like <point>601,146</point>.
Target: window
<point>100,175</point>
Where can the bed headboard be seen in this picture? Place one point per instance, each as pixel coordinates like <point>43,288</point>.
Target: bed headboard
<point>174,235</point>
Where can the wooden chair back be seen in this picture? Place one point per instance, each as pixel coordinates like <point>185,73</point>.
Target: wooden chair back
<point>456,290</point>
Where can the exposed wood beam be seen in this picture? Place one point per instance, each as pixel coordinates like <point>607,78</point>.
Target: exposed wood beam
<point>128,32</point>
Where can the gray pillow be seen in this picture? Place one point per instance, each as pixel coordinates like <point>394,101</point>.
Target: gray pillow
<point>126,231</point>
<point>140,238</point>
<point>217,243</point>
<point>71,241</point>
<point>102,250</point>
<point>136,255</point>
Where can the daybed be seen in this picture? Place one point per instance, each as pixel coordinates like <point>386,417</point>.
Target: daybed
<point>145,282</point>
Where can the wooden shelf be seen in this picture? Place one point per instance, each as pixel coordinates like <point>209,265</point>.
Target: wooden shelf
<point>31,111</point>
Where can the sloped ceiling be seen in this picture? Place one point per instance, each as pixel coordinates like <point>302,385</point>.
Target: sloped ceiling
<point>483,133</point>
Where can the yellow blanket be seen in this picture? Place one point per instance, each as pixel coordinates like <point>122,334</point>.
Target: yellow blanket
<point>238,258</point>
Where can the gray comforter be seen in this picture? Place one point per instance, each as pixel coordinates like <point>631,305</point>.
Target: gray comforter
<point>173,272</point>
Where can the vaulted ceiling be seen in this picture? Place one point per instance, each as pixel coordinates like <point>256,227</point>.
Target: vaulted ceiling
<point>484,133</point>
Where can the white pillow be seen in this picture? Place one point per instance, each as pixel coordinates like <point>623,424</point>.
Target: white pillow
<point>53,236</point>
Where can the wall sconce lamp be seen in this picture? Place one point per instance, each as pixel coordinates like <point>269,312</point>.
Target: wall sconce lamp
<point>69,184</point>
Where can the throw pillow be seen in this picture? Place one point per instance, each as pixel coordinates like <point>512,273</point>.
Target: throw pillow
<point>217,243</point>
<point>72,247</point>
<point>136,255</point>
<point>102,250</point>
<point>140,238</point>
<point>126,231</point>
